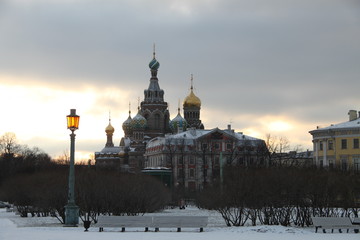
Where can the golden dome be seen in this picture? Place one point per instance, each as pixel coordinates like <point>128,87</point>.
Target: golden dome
<point>109,129</point>
<point>191,100</point>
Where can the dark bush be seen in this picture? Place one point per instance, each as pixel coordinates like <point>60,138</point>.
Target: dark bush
<point>282,195</point>
<point>96,192</point>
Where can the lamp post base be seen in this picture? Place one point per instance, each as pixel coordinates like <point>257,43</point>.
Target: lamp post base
<point>71,215</point>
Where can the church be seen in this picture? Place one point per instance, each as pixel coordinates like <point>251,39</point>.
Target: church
<point>152,120</point>
<point>182,146</point>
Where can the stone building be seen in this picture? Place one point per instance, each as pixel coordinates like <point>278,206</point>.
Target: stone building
<point>197,156</point>
<point>338,144</point>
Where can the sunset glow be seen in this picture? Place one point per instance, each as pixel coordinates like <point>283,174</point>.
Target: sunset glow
<point>279,126</point>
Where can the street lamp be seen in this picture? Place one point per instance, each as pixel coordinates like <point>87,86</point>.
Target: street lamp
<point>71,210</point>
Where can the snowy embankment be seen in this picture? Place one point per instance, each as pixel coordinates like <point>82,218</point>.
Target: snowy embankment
<point>13,227</point>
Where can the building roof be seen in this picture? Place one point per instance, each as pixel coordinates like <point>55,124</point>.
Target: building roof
<point>111,150</point>
<point>344,125</point>
<point>188,137</point>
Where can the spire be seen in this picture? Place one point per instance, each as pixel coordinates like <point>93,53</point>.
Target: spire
<point>192,81</point>
<point>138,103</point>
<point>154,50</point>
<point>179,106</point>
<point>129,109</point>
<point>154,93</point>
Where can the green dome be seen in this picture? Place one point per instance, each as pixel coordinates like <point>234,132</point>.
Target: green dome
<point>178,122</point>
<point>154,64</point>
<point>126,126</point>
<point>138,122</point>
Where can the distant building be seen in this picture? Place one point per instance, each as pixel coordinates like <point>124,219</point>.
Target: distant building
<point>113,156</point>
<point>338,144</point>
<point>109,155</point>
<point>197,156</point>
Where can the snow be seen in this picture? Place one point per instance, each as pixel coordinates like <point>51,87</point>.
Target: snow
<point>344,125</point>
<point>13,227</point>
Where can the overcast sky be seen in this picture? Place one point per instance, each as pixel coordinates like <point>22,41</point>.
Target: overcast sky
<point>266,66</point>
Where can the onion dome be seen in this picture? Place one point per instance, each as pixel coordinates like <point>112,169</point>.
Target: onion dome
<point>109,133</point>
<point>138,122</point>
<point>154,64</point>
<point>109,129</point>
<point>126,126</point>
<point>178,123</point>
<point>191,100</point>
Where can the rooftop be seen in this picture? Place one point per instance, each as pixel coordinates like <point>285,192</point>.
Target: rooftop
<point>344,125</point>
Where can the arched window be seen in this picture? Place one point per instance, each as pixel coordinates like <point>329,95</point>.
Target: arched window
<point>157,121</point>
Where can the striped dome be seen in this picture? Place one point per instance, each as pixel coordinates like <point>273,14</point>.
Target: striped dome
<point>138,122</point>
<point>154,64</point>
<point>126,126</point>
<point>178,122</point>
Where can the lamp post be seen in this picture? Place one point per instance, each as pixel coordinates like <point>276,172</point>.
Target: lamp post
<point>71,210</point>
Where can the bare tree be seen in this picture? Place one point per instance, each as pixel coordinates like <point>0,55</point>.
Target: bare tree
<point>282,195</point>
<point>8,144</point>
<point>63,159</point>
<point>277,147</point>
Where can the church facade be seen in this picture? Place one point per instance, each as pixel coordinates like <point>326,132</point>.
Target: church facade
<point>194,156</point>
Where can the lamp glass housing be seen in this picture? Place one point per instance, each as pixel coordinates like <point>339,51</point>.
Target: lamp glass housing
<point>73,120</point>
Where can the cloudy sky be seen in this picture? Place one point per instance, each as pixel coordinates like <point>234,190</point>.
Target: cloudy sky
<point>279,67</point>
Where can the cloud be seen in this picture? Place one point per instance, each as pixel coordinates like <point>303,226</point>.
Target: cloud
<point>250,59</point>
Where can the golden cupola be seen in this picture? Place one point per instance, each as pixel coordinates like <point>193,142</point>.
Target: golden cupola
<point>109,134</point>
<point>191,100</point>
<point>109,129</point>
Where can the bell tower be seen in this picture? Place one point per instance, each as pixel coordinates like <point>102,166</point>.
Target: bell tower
<point>154,108</point>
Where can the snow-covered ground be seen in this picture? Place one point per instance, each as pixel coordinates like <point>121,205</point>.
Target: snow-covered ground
<point>13,227</point>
